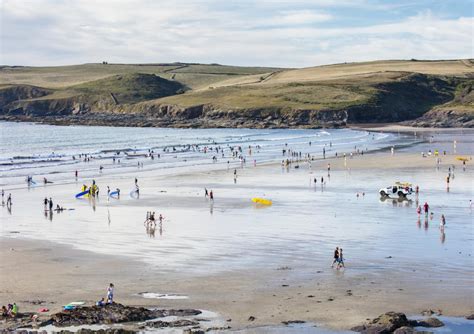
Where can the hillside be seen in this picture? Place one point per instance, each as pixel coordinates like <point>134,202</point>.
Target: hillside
<point>424,93</point>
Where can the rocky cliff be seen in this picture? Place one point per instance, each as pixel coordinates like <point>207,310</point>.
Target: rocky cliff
<point>424,100</point>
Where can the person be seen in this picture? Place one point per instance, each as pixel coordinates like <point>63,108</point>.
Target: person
<point>417,189</point>
<point>118,192</point>
<point>211,196</point>
<point>14,310</point>
<point>4,311</point>
<point>136,181</point>
<point>336,257</point>
<point>108,191</point>
<point>110,294</point>
<point>426,207</point>
<point>45,201</point>
<point>152,218</point>
<point>101,302</point>
<point>418,210</point>
<point>76,173</point>
<point>443,221</point>
<point>160,218</point>
<point>50,204</point>
<point>340,262</point>
<point>9,200</point>
<point>206,193</point>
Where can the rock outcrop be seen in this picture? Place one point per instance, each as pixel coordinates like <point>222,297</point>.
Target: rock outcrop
<point>396,323</point>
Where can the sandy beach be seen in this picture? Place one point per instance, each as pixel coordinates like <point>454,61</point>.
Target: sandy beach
<point>240,260</point>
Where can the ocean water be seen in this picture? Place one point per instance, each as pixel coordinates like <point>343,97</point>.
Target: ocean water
<point>300,230</point>
<point>47,151</point>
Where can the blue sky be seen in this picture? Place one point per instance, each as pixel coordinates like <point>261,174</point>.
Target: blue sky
<point>283,33</point>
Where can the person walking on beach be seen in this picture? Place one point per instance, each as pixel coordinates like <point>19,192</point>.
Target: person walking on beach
<point>336,257</point>
<point>418,210</point>
<point>110,294</point>
<point>45,202</point>
<point>76,174</point>
<point>426,207</point>
<point>108,191</point>
<point>443,221</point>
<point>211,196</point>
<point>340,262</point>
<point>206,193</point>
<point>50,204</point>
<point>9,200</point>
<point>3,197</point>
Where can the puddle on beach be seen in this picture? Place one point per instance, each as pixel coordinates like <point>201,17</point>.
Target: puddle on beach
<point>154,295</point>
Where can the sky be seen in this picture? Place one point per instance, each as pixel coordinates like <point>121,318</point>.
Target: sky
<point>280,33</point>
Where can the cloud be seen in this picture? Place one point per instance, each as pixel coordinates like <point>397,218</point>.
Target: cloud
<point>267,33</point>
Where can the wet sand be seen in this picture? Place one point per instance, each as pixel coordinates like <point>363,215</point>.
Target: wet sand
<point>271,282</point>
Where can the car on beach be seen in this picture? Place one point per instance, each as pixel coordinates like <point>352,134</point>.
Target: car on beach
<point>401,189</point>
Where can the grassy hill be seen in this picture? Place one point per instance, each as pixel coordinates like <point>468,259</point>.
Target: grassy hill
<point>203,95</point>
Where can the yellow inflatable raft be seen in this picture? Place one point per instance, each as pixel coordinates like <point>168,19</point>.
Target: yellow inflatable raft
<point>262,201</point>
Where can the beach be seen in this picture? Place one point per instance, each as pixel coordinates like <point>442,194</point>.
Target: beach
<point>242,260</point>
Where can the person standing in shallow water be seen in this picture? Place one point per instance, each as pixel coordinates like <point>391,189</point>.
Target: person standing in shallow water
<point>211,195</point>
<point>336,257</point>
<point>340,260</point>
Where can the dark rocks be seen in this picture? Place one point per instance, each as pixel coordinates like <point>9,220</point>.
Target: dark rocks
<point>405,330</point>
<point>289,322</point>
<point>111,314</point>
<point>396,323</point>
<point>176,323</point>
<point>384,324</point>
<point>470,317</point>
<point>100,331</point>
<point>251,318</point>
<point>430,322</point>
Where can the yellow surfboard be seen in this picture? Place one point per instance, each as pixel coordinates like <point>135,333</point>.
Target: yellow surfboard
<point>262,201</point>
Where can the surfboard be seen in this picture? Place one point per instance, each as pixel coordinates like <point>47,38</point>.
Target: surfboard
<point>114,194</point>
<point>261,201</point>
<point>82,194</point>
<point>32,182</point>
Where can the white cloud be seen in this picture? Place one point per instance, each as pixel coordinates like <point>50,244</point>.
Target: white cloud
<point>268,33</point>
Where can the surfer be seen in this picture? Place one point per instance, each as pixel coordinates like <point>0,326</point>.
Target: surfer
<point>108,191</point>
<point>50,204</point>
<point>118,192</point>
<point>206,193</point>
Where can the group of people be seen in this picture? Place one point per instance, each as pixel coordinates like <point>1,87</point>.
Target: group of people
<point>426,210</point>
<point>209,194</point>
<point>10,311</point>
<point>110,296</point>
<point>9,199</point>
<point>338,259</point>
<point>150,218</point>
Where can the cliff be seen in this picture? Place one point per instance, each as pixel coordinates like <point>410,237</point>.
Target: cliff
<point>273,100</point>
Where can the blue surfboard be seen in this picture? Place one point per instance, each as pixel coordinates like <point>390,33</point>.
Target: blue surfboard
<point>82,194</point>
<point>114,194</point>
